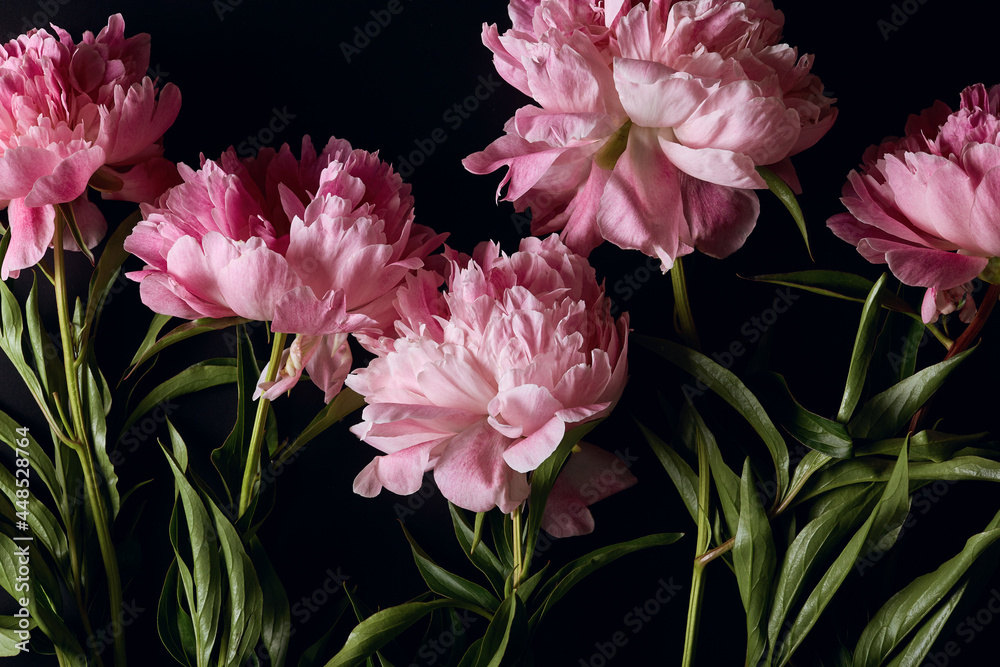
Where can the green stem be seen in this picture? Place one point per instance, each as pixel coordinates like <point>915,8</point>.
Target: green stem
<point>518,551</point>
<point>81,442</point>
<point>682,306</point>
<point>698,576</point>
<point>259,426</point>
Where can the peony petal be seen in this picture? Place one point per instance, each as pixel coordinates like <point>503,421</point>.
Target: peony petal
<point>31,232</point>
<point>641,208</point>
<point>472,473</point>
<point>655,95</point>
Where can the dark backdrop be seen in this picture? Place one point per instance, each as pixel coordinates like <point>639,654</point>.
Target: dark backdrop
<point>247,67</point>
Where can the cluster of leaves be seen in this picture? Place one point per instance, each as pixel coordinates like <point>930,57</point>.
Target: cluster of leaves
<point>847,497</point>
<point>513,601</point>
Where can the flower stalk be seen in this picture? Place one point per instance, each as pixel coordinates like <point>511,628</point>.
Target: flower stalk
<point>698,575</point>
<point>683,317</point>
<point>252,468</point>
<point>79,439</point>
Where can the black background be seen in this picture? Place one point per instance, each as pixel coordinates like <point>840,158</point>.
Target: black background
<point>237,63</point>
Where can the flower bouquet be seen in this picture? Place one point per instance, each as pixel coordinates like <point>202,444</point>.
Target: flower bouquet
<point>535,343</point>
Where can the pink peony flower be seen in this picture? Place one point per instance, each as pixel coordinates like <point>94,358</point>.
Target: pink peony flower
<point>482,383</point>
<point>316,246</point>
<point>928,204</point>
<point>589,475</point>
<point>651,119</point>
<point>73,115</point>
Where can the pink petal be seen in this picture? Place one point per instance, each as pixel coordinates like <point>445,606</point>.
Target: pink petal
<point>714,165</point>
<point>253,284</point>
<point>68,180</point>
<point>641,207</point>
<point>31,232</point>
<point>589,475</point>
<point>299,311</point>
<point>720,218</point>
<point>655,95</point>
<point>472,473</point>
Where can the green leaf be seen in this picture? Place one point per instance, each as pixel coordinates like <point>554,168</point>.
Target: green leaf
<point>811,546</point>
<point>730,389</point>
<point>813,431</point>
<point>480,555</point>
<point>44,526</point>
<point>39,461</point>
<point>901,614</point>
<point>204,374</point>
<point>836,284</point>
<point>886,413</point>
<point>447,584</point>
<point>202,579</point>
<point>684,478</point>
<point>107,269</point>
<point>727,482</point>
<point>11,344</point>
<point>505,634</point>
<point>44,353</point>
<point>861,357</point>
<point>754,560</point>
<point>577,570</point>
<point>380,628</point>
<point>924,639</point>
<point>182,332</point>
<point>928,445</point>
<point>858,471</point>
<point>239,635</point>
<point>96,411</point>
<point>9,637</point>
<point>884,522</point>
<point>155,326</point>
<point>39,609</point>
<point>811,463</point>
<point>276,622</point>
<point>778,186</point>
<point>542,480</point>
<point>171,618</point>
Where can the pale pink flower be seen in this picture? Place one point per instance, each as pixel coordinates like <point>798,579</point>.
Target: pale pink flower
<point>590,474</point>
<point>651,119</point>
<point>928,204</point>
<point>317,246</point>
<point>73,115</point>
<point>482,385</point>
